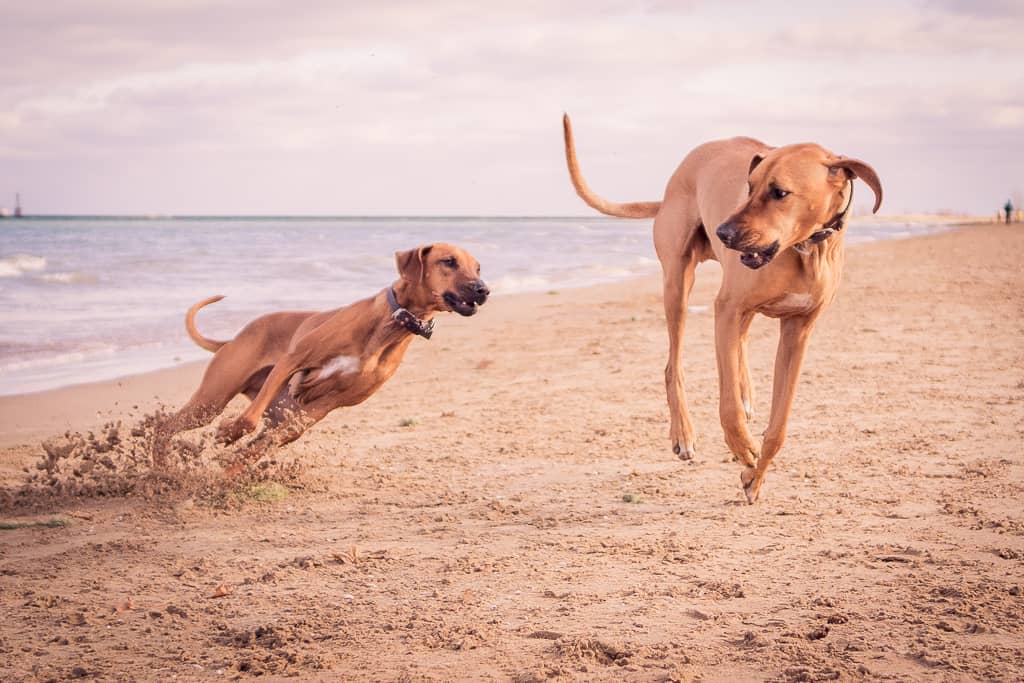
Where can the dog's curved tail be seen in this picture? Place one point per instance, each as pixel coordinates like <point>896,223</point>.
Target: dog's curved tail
<point>211,345</point>
<point>630,210</point>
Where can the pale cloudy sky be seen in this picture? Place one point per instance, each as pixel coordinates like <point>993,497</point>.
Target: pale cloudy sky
<point>393,107</point>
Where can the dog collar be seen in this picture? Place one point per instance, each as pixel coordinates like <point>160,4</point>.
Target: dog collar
<point>834,225</point>
<point>403,317</point>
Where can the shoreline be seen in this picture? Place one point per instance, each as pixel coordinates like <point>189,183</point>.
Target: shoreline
<point>33,415</point>
<point>169,352</point>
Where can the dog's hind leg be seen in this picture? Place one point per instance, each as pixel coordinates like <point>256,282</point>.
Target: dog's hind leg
<point>229,373</point>
<point>676,240</point>
<point>200,410</point>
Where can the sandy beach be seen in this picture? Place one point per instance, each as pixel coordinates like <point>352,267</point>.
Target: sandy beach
<point>507,507</point>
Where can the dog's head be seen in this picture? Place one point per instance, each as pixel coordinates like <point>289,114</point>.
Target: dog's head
<point>794,190</point>
<point>444,277</point>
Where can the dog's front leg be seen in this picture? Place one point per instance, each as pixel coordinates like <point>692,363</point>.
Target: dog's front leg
<point>293,423</point>
<point>230,431</point>
<point>746,385</point>
<point>793,336</point>
<point>677,285</point>
<point>730,325</point>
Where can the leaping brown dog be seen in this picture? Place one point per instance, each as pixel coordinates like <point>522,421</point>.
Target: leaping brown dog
<point>783,209</point>
<point>296,367</point>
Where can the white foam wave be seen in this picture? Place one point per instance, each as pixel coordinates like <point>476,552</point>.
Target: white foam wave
<point>510,284</point>
<point>72,278</point>
<point>91,365</point>
<point>62,358</point>
<point>19,264</point>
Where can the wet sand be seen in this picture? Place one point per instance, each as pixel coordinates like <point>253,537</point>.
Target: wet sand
<point>529,522</point>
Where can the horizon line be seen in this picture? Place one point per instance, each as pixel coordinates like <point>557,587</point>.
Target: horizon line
<point>241,216</point>
<point>215,216</point>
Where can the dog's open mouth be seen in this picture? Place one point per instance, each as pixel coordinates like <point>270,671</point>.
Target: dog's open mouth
<point>462,306</point>
<point>755,258</point>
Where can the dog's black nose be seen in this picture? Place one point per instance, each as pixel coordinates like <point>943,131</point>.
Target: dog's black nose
<point>726,232</point>
<point>480,288</point>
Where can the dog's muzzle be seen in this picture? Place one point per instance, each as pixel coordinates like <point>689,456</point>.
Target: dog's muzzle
<point>468,298</point>
<point>752,256</point>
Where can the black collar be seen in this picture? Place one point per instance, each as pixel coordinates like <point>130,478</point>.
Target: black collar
<point>404,318</point>
<point>834,225</point>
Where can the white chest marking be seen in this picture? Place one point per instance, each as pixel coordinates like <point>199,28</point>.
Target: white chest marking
<point>795,302</point>
<point>343,365</point>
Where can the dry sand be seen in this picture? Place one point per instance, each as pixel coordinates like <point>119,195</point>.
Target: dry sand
<point>493,538</point>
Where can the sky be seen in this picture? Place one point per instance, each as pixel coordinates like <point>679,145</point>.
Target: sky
<point>331,107</point>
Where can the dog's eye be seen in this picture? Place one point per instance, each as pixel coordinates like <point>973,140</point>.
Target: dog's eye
<point>450,262</point>
<point>778,193</point>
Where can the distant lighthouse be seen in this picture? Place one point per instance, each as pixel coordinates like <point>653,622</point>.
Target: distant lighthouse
<point>17,205</point>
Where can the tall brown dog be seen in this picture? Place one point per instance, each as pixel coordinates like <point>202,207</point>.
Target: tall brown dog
<point>296,367</point>
<point>783,209</point>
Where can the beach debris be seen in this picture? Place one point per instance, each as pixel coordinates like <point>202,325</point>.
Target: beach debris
<point>124,605</point>
<point>222,590</point>
<point>545,635</point>
<point>176,611</point>
<point>592,648</point>
<point>350,556</point>
<point>53,523</point>
<point>818,633</point>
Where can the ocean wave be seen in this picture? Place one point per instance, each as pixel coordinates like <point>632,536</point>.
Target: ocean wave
<point>46,355</point>
<point>70,355</point>
<point>91,365</point>
<point>510,284</point>
<point>19,264</point>
<point>72,278</point>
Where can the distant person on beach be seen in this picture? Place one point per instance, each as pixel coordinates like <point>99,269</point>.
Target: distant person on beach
<point>1009,211</point>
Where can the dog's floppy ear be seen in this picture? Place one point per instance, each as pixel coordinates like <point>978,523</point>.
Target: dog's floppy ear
<point>855,168</point>
<point>411,263</point>
<point>758,158</point>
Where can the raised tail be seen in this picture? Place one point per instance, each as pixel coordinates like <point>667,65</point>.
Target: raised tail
<point>630,210</point>
<point>211,345</point>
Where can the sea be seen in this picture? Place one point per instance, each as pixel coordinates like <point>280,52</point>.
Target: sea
<point>85,299</point>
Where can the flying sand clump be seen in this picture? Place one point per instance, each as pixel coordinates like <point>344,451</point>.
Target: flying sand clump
<point>116,461</point>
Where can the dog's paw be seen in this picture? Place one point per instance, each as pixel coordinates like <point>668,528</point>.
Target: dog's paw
<point>745,456</point>
<point>231,431</point>
<point>743,448</point>
<point>685,453</point>
<point>751,484</point>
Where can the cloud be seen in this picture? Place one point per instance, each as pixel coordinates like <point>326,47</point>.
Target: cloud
<point>405,107</point>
